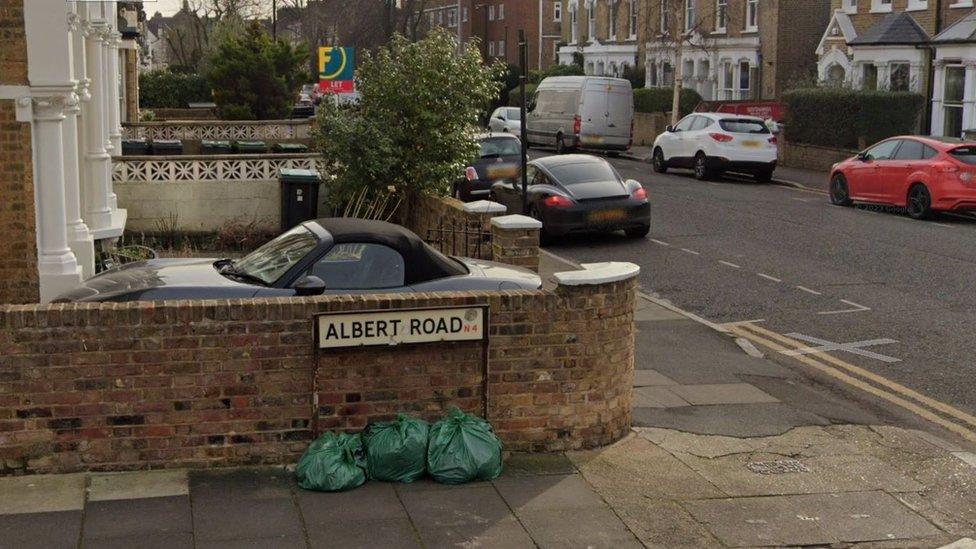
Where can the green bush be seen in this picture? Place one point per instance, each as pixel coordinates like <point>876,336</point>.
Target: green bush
<point>555,70</point>
<point>653,100</point>
<point>514,96</point>
<point>842,118</point>
<point>166,89</point>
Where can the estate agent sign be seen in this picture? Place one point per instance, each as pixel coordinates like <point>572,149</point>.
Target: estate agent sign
<point>399,327</point>
<point>336,69</point>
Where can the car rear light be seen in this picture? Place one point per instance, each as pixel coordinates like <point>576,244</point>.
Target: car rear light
<point>470,173</point>
<point>639,194</point>
<point>721,137</point>
<point>577,124</point>
<point>557,201</point>
<point>773,140</point>
<point>945,167</point>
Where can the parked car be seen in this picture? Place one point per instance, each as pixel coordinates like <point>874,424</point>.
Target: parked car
<point>499,158</point>
<point>582,112</point>
<point>712,143</point>
<point>921,174</point>
<point>506,120</point>
<point>579,193</point>
<point>325,256</point>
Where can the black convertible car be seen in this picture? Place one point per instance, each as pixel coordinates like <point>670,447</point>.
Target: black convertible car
<point>335,256</point>
<point>579,193</point>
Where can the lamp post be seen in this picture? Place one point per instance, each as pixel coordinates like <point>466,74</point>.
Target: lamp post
<point>523,77</point>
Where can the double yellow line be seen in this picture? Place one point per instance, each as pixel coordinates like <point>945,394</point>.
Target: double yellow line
<point>940,413</point>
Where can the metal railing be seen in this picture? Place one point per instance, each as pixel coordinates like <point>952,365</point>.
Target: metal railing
<point>464,238</point>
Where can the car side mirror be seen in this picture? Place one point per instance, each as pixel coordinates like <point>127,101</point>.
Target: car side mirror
<point>863,156</point>
<point>669,129</point>
<point>309,285</point>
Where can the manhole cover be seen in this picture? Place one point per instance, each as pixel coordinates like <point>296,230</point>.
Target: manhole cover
<point>777,467</point>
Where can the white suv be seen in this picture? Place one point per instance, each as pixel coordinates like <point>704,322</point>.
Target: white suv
<point>711,143</point>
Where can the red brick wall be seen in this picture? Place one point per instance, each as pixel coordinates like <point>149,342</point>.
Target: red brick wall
<point>442,222</point>
<point>217,383</point>
<point>18,248</point>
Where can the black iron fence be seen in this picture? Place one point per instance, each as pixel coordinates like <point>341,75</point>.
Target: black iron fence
<point>464,238</point>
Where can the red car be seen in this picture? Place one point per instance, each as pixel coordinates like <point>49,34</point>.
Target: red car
<point>921,174</point>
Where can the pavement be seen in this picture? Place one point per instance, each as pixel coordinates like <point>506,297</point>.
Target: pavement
<point>728,450</point>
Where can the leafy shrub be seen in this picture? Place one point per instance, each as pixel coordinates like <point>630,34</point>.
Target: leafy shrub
<point>653,100</point>
<point>636,75</point>
<point>842,118</point>
<point>515,96</point>
<point>167,89</point>
<point>555,70</point>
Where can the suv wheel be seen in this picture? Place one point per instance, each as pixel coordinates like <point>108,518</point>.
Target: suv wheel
<point>702,173</point>
<point>660,165</point>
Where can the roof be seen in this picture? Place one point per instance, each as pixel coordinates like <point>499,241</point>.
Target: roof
<point>842,22</point>
<point>893,29</point>
<point>963,30</point>
<point>422,263</point>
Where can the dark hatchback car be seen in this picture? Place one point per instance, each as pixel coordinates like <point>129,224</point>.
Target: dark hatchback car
<point>579,193</point>
<point>499,159</point>
<point>334,256</point>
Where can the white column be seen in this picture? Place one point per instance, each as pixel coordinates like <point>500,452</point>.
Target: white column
<point>969,99</point>
<point>114,95</point>
<point>79,238</point>
<point>937,91</point>
<point>99,213</point>
<point>884,76</point>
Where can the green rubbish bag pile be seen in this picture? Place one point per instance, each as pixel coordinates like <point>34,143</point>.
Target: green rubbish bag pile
<point>457,449</point>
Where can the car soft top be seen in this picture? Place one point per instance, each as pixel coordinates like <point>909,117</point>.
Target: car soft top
<point>422,263</point>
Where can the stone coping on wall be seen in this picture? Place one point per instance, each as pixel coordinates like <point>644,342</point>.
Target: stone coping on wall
<point>484,206</point>
<point>516,221</point>
<point>598,273</point>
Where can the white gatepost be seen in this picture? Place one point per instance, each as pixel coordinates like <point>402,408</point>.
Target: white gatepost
<point>98,211</point>
<point>79,237</point>
<point>938,84</point>
<point>969,97</point>
<point>52,91</point>
<point>115,82</point>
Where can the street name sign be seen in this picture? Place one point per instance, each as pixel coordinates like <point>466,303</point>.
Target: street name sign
<point>399,327</point>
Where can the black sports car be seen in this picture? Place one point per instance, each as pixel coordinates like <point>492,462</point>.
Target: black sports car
<point>499,159</point>
<point>335,256</point>
<point>579,193</point>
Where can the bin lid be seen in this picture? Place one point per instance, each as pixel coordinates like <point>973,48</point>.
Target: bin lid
<point>291,147</point>
<point>291,174</point>
<point>135,141</point>
<point>251,144</point>
<point>167,142</point>
<point>215,143</point>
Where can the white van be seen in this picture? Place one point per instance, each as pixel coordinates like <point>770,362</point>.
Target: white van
<point>582,112</point>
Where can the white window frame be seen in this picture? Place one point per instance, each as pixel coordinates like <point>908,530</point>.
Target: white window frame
<point>690,15</point>
<point>501,49</point>
<point>664,18</point>
<point>850,7</point>
<point>491,48</point>
<point>557,12</point>
<point>464,14</point>
<point>501,12</point>
<point>591,22</point>
<point>721,16</point>
<point>917,5</point>
<point>633,20</point>
<point>491,12</point>
<point>752,16</point>
<point>881,6</point>
<point>962,4</point>
<point>574,23</point>
<point>611,21</point>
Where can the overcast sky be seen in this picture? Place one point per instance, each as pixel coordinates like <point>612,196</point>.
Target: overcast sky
<point>167,7</point>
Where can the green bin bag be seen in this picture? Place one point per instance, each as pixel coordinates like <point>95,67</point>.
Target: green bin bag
<point>396,451</point>
<point>332,463</point>
<point>463,448</point>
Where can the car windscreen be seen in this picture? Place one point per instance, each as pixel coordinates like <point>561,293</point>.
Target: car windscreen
<point>741,125</point>
<point>513,114</point>
<point>500,146</point>
<point>271,261</point>
<point>583,172</point>
<point>966,154</point>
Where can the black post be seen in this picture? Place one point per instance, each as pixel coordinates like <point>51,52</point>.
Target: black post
<point>274,20</point>
<point>523,77</point>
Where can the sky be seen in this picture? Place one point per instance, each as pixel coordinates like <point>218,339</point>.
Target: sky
<point>167,7</point>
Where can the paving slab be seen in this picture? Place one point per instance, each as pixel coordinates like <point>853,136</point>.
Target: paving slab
<point>427,485</point>
<point>441,508</point>
<point>244,519</point>
<point>538,464</point>
<point>657,397</point>
<point>373,500</point>
<point>138,484</point>
<point>42,493</point>
<point>660,524</point>
<point>650,378</point>
<point>590,528</point>
<point>648,311</point>
<point>266,483</point>
<point>40,530</point>
<point>813,400</point>
<point>722,393</point>
<point>367,533</point>
<point>135,517</point>
<point>863,516</point>
<point>757,522</point>
<point>502,534</point>
<point>278,542</point>
<point>735,420</point>
<point>548,492</point>
<point>169,540</point>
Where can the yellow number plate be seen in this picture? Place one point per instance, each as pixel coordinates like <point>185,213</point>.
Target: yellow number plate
<point>752,144</point>
<point>607,216</point>
<point>502,171</point>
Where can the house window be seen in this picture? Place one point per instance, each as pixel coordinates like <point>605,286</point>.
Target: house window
<point>652,74</point>
<point>611,20</point>
<point>557,12</point>
<point>502,52</point>
<point>574,28</point>
<point>880,6</point>
<point>952,101</point>
<point>452,17</point>
<point>752,15</point>
<point>916,5</point>
<point>491,49</point>
<point>665,21</point>
<point>464,15</point>
<point>745,82</point>
<point>667,75</point>
<point>900,77</point>
<point>690,22</point>
<point>633,19</point>
<point>869,77</point>
<point>501,12</point>
<point>491,12</point>
<point>591,22</point>
<point>836,75</point>
<point>728,80</point>
<point>850,6</point>
<point>721,15</point>
<point>440,17</point>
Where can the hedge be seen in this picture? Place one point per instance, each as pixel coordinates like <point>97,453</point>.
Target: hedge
<point>514,99</point>
<point>652,100</point>
<point>164,89</point>
<point>849,119</point>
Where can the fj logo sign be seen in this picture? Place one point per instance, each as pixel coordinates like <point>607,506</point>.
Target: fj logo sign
<point>387,328</point>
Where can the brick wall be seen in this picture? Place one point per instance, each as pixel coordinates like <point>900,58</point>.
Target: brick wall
<point>442,221</point>
<point>18,249</point>
<point>131,68</point>
<point>216,383</point>
<point>810,157</point>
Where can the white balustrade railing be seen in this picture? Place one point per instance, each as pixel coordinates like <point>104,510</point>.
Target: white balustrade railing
<point>174,169</point>
<point>219,130</point>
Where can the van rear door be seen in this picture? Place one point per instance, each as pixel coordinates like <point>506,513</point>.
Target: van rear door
<point>607,113</point>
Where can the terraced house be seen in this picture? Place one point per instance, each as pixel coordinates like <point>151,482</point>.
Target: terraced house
<point>927,46</point>
<point>731,49</point>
